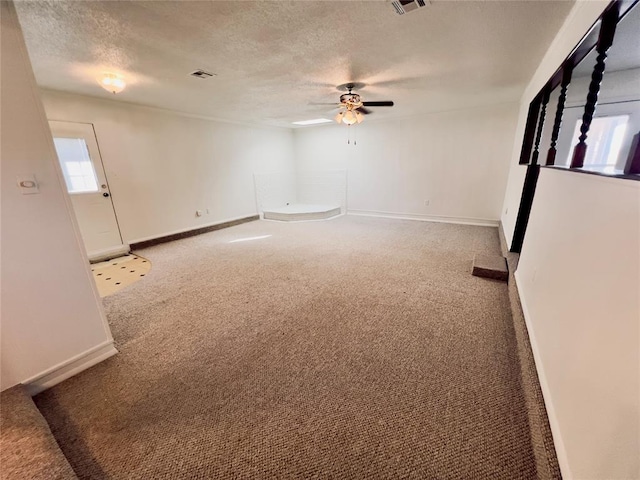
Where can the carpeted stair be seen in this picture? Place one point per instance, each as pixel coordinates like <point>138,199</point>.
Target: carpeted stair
<point>491,266</point>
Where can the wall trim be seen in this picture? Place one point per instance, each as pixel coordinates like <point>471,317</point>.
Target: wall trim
<point>505,243</point>
<point>482,222</point>
<point>632,179</point>
<point>167,111</point>
<point>56,374</point>
<point>108,253</point>
<point>302,221</point>
<point>561,452</point>
<point>190,232</point>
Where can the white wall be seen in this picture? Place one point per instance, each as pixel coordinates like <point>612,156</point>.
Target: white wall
<point>50,310</point>
<point>579,278</point>
<point>322,187</point>
<point>457,160</point>
<point>275,189</point>
<point>579,281</point>
<point>163,166</point>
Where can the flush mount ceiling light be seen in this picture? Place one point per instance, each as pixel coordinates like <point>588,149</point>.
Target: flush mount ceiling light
<point>315,121</point>
<point>112,83</point>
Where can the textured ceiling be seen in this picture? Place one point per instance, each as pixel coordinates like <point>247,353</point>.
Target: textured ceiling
<point>274,57</point>
<point>624,54</point>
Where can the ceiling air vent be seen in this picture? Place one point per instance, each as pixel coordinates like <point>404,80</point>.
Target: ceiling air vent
<point>202,74</point>
<point>406,6</point>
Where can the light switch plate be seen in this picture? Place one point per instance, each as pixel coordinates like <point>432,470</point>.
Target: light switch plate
<point>28,184</point>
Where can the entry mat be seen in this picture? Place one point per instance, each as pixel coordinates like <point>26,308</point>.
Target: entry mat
<point>113,275</point>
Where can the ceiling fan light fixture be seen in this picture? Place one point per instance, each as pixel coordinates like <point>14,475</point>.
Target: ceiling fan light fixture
<point>349,117</point>
<point>352,108</point>
<point>112,83</point>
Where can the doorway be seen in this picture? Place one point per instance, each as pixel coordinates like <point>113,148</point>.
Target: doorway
<point>86,182</point>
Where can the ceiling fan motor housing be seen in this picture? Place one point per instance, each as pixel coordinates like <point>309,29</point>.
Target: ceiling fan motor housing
<point>350,98</point>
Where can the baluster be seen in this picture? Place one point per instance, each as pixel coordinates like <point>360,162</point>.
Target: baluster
<point>566,79</point>
<point>530,131</point>
<point>632,166</point>
<point>543,111</point>
<point>605,40</point>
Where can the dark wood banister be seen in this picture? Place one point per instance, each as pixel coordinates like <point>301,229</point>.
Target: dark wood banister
<point>605,40</point>
<point>557,123</point>
<point>599,36</point>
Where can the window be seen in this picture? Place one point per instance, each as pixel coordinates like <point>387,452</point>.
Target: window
<point>606,136</point>
<point>76,164</point>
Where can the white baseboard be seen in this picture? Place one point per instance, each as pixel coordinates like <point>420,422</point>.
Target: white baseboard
<point>108,253</point>
<point>482,222</point>
<point>194,227</point>
<point>305,221</point>
<point>69,368</point>
<point>544,386</point>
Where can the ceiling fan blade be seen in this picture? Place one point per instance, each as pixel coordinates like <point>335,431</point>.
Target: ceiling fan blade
<point>387,103</point>
<point>364,111</point>
<point>324,104</point>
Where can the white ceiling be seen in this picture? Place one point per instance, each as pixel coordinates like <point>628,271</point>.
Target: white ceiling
<point>274,57</point>
<point>624,54</point>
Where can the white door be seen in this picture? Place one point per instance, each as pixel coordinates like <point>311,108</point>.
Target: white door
<point>87,185</point>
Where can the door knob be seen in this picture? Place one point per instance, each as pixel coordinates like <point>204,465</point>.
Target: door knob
<point>105,194</point>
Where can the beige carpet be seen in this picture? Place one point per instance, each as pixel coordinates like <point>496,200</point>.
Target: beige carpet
<point>27,448</point>
<point>351,348</point>
<point>547,466</point>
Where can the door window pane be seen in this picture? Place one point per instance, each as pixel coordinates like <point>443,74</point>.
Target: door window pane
<point>76,164</point>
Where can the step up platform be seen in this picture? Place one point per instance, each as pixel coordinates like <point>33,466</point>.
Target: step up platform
<point>491,266</point>
<point>27,447</point>
<point>300,212</point>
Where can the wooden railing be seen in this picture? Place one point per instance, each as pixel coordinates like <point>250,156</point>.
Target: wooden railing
<point>599,37</point>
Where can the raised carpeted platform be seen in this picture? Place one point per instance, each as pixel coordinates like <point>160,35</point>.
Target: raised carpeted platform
<point>27,448</point>
<point>356,348</point>
<point>547,466</point>
<point>300,212</point>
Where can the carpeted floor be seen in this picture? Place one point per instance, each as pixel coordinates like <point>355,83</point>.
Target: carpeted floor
<point>351,348</point>
<point>27,448</point>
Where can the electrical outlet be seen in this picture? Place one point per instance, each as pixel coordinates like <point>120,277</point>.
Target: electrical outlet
<point>426,203</point>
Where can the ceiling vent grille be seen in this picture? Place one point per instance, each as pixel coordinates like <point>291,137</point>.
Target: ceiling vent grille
<point>202,74</point>
<point>406,6</point>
